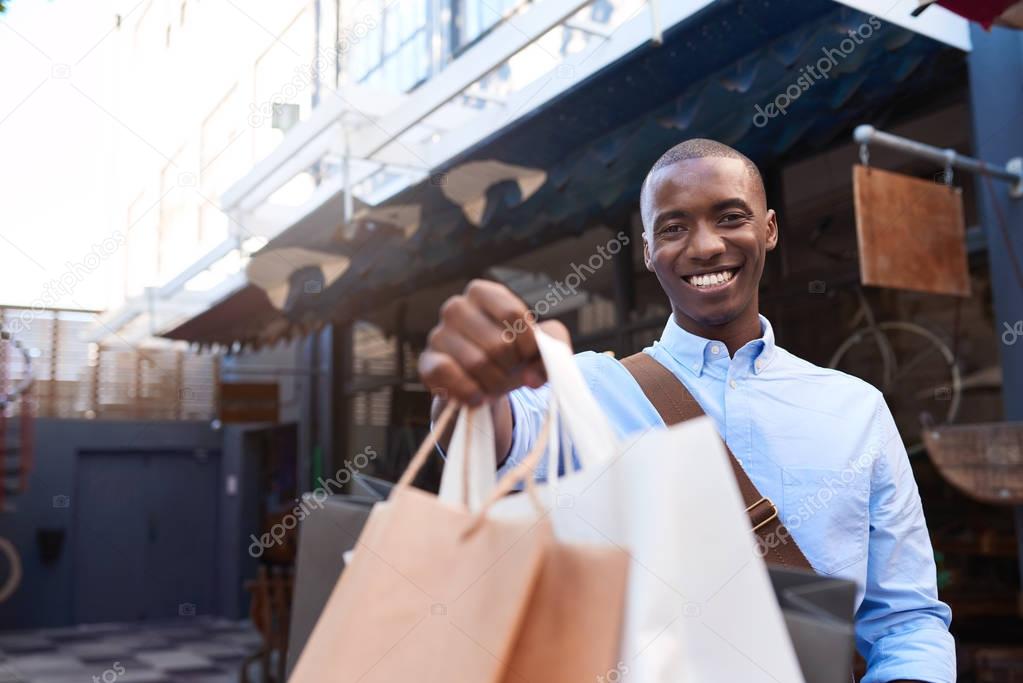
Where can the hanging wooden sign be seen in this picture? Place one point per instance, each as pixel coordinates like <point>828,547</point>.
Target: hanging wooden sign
<point>248,402</point>
<point>911,233</point>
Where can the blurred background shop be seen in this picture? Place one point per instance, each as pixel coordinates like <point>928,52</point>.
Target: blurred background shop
<point>296,187</point>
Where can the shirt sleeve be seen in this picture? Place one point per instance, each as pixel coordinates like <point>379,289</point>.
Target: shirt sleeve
<point>529,409</point>
<point>901,625</point>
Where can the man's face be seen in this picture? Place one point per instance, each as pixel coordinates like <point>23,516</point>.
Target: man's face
<point>711,232</point>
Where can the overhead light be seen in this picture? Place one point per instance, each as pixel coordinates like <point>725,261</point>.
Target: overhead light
<point>285,115</point>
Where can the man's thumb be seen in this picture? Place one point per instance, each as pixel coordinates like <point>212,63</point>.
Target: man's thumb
<point>556,329</point>
<point>535,375</point>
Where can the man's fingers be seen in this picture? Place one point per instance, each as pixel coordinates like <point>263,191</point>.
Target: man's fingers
<point>512,316</point>
<point>491,377</point>
<point>557,329</point>
<point>534,374</point>
<point>485,344</point>
<point>442,375</point>
<point>464,317</point>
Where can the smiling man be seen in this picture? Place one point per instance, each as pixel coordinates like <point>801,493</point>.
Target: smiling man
<point>819,443</point>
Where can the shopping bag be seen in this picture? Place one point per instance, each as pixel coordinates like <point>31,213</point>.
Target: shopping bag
<point>461,483</point>
<point>435,593</point>
<point>818,613</point>
<point>699,603</point>
<point>324,535</point>
<point>572,628</point>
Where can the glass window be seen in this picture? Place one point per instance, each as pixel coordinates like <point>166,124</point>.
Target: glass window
<point>283,76</point>
<point>388,46</point>
<point>225,154</point>
<point>478,16</point>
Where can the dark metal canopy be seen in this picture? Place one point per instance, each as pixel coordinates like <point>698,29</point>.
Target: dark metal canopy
<point>723,74</point>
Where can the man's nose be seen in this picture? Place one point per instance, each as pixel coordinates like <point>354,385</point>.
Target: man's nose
<point>705,243</point>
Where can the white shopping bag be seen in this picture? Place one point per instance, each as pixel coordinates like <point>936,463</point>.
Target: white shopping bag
<point>699,604</point>
<point>474,433</point>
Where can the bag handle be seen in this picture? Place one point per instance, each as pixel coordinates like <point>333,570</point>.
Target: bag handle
<point>582,418</point>
<point>470,464</point>
<point>429,443</point>
<point>523,473</point>
<point>576,419</point>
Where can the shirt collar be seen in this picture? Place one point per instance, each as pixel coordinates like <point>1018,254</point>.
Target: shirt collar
<point>693,352</point>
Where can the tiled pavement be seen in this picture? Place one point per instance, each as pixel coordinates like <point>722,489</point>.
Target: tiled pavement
<point>194,650</point>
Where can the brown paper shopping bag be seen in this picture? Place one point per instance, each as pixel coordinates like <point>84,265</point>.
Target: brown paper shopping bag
<point>434,593</point>
<point>572,629</point>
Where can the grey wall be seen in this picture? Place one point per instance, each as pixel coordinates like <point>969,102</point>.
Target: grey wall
<point>45,596</point>
<point>996,71</point>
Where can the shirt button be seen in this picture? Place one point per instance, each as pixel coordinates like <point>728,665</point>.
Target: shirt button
<point>715,349</point>
<point>732,383</point>
<point>759,364</point>
<point>696,366</point>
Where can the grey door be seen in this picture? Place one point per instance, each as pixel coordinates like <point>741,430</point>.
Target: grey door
<point>145,535</point>
<point>181,558</point>
<point>109,537</point>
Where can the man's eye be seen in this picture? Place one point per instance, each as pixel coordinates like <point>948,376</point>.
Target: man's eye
<point>673,228</point>
<point>733,217</point>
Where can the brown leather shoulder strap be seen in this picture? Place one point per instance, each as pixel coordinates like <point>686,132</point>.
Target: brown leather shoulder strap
<point>675,404</point>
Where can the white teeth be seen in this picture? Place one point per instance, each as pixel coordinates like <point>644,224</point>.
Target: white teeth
<point>711,279</point>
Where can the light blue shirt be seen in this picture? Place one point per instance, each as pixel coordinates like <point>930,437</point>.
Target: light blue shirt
<point>824,447</point>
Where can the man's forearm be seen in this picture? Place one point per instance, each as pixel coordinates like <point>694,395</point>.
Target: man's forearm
<point>500,409</point>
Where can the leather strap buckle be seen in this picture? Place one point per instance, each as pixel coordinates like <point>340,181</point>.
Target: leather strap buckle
<point>770,517</point>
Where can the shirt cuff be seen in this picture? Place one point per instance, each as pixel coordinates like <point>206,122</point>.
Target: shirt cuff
<point>521,435</point>
<point>926,654</point>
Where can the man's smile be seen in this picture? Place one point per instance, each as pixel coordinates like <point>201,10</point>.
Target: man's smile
<point>716,279</point>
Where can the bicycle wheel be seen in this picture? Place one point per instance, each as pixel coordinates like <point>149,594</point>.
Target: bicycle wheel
<point>912,367</point>
<point>13,580</point>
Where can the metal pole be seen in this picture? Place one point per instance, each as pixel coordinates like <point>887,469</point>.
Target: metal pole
<point>346,171</point>
<point>655,22</point>
<point>1012,172</point>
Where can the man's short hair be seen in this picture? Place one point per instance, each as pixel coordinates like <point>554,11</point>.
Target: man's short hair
<point>695,148</point>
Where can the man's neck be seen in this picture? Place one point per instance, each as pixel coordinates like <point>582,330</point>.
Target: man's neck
<point>734,334</point>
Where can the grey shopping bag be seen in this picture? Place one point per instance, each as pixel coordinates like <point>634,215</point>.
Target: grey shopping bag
<point>324,536</point>
<point>818,612</point>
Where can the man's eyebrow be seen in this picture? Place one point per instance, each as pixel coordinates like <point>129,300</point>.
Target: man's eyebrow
<point>734,203</point>
<point>672,214</point>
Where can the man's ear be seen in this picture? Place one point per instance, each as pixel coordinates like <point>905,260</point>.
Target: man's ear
<point>772,230</point>
<point>646,251</point>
